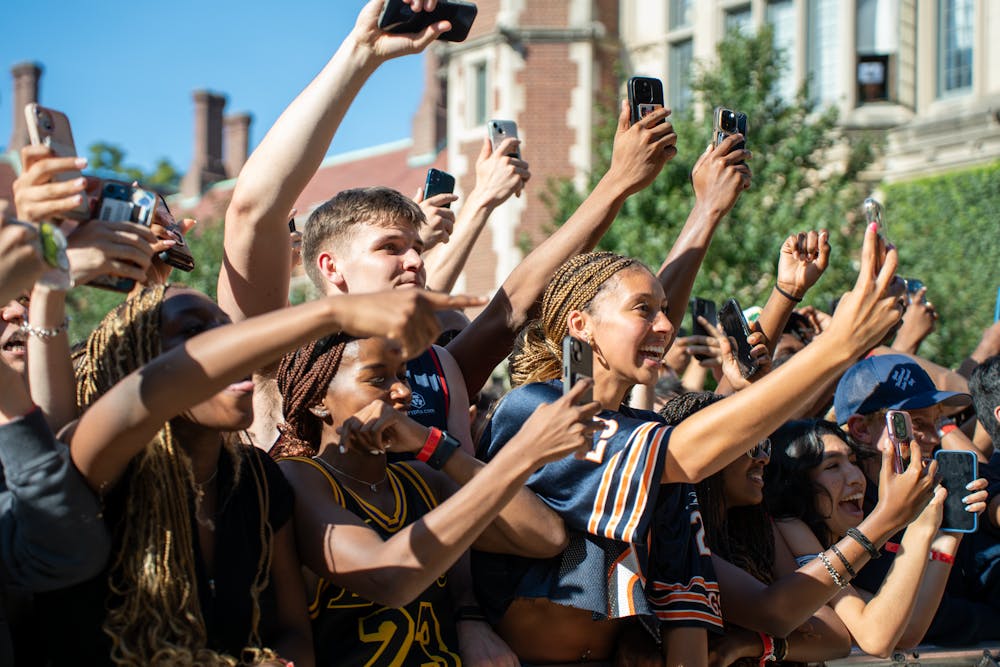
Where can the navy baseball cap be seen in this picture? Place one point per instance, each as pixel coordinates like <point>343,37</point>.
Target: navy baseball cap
<point>889,382</point>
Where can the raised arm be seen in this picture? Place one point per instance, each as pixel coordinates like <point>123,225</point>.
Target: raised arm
<point>120,424</point>
<point>698,447</point>
<point>639,153</point>
<point>719,178</point>
<point>498,176</point>
<point>254,276</point>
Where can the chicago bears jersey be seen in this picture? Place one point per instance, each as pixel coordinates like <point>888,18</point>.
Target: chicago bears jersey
<point>637,546</point>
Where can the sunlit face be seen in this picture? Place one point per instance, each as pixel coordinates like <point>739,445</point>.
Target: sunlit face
<point>743,481</point>
<point>924,422</point>
<point>184,314</point>
<point>13,341</point>
<point>372,369</point>
<point>375,258</point>
<point>843,484</point>
<point>630,329</point>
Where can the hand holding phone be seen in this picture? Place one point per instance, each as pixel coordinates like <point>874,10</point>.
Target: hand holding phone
<point>702,308</point>
<point>734,324</point>
<point>438,182</point>
<point>398,18</point>
<point>900,432</point>
<point>48,127</point>
<point>727,123</point>
<point>957,469</point>
<point>645,95</point>
<point>578,363</point>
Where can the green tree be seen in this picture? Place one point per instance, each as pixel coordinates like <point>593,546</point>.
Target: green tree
<point>797,185</point>
<point>110,157</point>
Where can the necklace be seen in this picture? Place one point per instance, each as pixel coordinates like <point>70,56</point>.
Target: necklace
<point>371,485</point>
<point>202,485</point>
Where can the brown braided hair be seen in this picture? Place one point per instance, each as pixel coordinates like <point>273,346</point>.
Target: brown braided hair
<point>303,378</point>
<point>538,354</point>
<point>159,620</point>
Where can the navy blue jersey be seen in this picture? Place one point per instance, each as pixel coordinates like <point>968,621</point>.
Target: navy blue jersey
<point>431,398</point>
<point>637,546</point>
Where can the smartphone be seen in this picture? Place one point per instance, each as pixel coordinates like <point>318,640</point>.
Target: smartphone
<point>734,323</point>
<point>900,430</point>
<point>957,468</point>
<point>500,130</point>
<point>48,127</point>
<point>914,285</point>
<point>179,256</point>
<point>645,95</point>
<point>122,202</point>
<point>705,308</point>
<point>291,226</point>
<point>728,122</point>
<point>438,182</point>
<point>996,308</point>
<point>578,363</point>
<point>397,17</point>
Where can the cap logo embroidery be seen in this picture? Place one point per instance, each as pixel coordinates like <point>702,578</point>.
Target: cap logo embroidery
<point>903,379</point>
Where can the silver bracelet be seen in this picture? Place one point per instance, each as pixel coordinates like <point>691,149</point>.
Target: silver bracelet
<point>837,578</point>
<point>42,332</point>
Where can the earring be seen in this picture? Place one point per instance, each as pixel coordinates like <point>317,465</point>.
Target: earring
<point>320,411</point>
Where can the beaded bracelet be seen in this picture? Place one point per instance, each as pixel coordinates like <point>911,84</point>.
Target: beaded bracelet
<point>43,332</point>
<point>860,538</point>
<point>843,559</point>
<point>837,578</point>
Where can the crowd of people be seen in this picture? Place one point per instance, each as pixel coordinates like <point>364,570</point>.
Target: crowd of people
<point>242,481</point>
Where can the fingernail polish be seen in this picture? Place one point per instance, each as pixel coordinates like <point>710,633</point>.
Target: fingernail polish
<point>343,450</point>
<point>968,487</point>
<point>873,227</point>
<point>81,162</point>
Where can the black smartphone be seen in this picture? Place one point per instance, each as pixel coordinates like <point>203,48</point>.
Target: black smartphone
<point>705,308</point>
<point>397,17</point>
<point>291,226</point>
<point>578,363</point>
<point>122,202</point>
<point>728,122</point>
<point>957,468</point>
<point>900,431</point>
<point>734,323</point>
<point>438,182</point>
<point>645,95</point>
<point>179,256</point>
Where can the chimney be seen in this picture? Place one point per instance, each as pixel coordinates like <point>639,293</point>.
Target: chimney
<point>430,123</point>
<point>26,77</point>
<point>206,162</point>
<point>236,143</point>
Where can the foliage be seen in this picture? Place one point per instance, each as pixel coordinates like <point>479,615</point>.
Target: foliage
<point>109,157</point>
<point>804,178</point>
<point>88,305</point>
<point>947,228</point>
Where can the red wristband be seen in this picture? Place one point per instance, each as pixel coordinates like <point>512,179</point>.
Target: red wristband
<point>946,429</point>
<point>941,556</point>
<point>430,444</point>
<point>768,642</point>
<point>891,547</point>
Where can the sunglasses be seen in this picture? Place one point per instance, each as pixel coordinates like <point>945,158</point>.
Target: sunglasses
<point>762,450</point>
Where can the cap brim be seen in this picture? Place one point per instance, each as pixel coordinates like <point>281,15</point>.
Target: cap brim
<point>949,399</point>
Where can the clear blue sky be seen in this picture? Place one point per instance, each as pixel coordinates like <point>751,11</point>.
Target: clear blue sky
<point>124,71</point>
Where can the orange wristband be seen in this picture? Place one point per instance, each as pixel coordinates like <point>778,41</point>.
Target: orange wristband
<point>430,444</point>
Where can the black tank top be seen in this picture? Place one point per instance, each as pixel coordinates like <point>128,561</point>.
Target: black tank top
<point>350,630</point>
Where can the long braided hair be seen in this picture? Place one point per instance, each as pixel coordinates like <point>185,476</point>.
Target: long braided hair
<point>303,378</point>
<point>538,354</point>
<point>159,620</point>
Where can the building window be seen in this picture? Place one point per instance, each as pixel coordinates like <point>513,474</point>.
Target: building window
<point>679,80</point>
<point>824,56</point>
<point>781,17</point>
<point>680,13</point>
<point>955,35</point>
<point>480,95</point>
<point>739,20</point>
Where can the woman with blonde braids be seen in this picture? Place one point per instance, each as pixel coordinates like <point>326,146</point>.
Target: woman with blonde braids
<point>204,570</point>
<point>638,547</point>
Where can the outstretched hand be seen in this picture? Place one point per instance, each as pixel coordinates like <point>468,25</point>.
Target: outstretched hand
<point>721,174</point>
<point>499,174</point>
<point>902,496</point>
<point>440,218</point>
<point>802,260</point>
<point>723,355</point>
<point>385,46</point>
<point>21,260</point>
<point>641,150</point>
<point>38,195</point>
<point>405,315</point>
